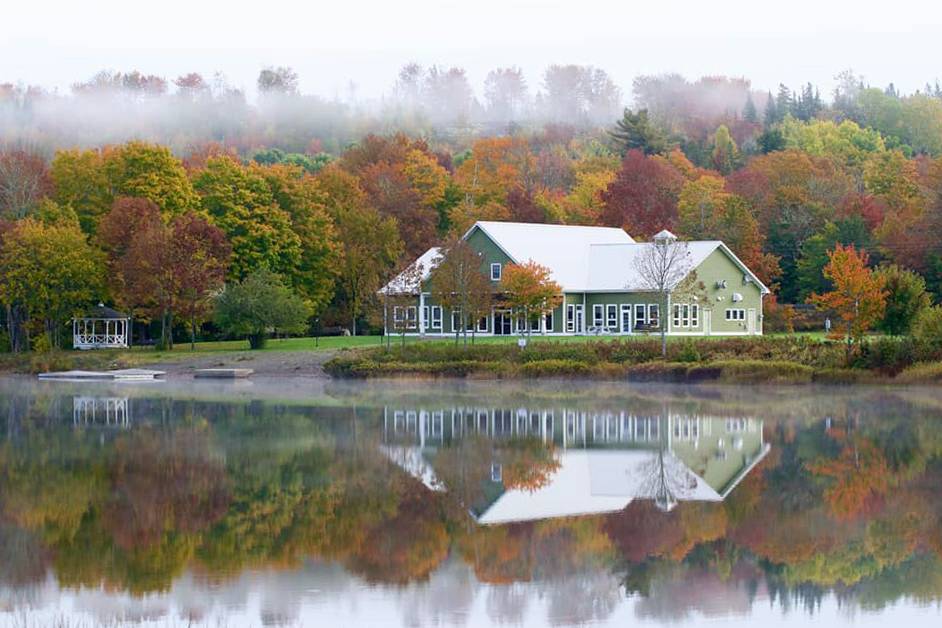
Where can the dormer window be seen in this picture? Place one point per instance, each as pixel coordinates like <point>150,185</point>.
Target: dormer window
<point>495,272</point>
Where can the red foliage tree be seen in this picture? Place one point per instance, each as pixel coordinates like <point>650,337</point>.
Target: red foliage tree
<point>643,197</point>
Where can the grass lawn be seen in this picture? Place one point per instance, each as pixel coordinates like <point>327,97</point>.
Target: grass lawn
<point>326,343</point>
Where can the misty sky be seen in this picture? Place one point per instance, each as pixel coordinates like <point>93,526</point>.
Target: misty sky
<point>54,43</point>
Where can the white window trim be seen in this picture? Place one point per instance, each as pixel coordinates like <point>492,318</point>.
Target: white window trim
<point>571,317</point>
<point>611,316</point>
<point>482,324</point>
<point>694,315</point>
<point>436,321</point>
<point>548,321</point>
<point>654,313</point>
<point>598,315</point>
<point>643,310</point>
<point>735,314</point>
<point>499,270</point>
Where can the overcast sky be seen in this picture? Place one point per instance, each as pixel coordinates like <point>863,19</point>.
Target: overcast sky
<point>331,44</point>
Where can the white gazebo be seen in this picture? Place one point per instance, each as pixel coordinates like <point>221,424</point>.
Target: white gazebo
<point>101,328</point>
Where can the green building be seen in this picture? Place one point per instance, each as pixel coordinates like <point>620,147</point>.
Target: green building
<point>604,290</point>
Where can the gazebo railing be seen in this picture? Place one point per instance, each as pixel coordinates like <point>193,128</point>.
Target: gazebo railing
<point>99,340</point>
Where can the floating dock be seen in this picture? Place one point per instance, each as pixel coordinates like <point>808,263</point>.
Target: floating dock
<point>115,375</point>
<point>220,373</point>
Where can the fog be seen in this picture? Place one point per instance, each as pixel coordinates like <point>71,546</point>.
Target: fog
<point>438,102</point>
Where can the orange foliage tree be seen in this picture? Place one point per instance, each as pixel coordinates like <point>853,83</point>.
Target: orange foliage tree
<point>858,297</point>
<point>529,288</point>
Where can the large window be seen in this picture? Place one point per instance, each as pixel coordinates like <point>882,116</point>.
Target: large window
<point>694,315</point>
<point>570,318</point>
<point>641,317</point>
<point>548,322</point>
<point>686,315</point>
<point>625,319</point>
<point>404,317</point>
<point>456,319</point>
<point>425,316</point>
<point>597,316</point>
<point>482,324</point>
<point>436,317</point>
<point>611,316</point>
<point>735,314</point>
<point>654,319</point>
<point>495,272</point>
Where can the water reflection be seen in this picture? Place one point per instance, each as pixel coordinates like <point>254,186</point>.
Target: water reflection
<point>582,463</point>
<point>539,506</point>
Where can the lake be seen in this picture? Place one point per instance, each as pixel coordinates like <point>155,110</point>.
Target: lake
<point>309,503</point>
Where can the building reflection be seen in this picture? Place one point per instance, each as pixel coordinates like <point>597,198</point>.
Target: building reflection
<point>601,461</point>
<point>108,412</point>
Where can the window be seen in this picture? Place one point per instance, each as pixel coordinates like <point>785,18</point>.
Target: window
<point>495,272</point>
<point>548,322</point>
<point>456,319</point>
<point>685,315</point>
<point>597,315</point>
<point>482,324</point>
<point>640,315</point>
<point>570,317</point>
<point>625,319</point>
<point>735,314</point>
<point>611,316</point>
<point>496,472</point>
<point>676,315</point>
<point>404,317</point>
<point>436,317</point>
<point>694,315</point>
<point>653,315</point>
<point>425,316</point>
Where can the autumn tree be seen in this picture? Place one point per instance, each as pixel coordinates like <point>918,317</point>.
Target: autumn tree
<point>24,181</point>
<point>49,272</point>
<point>259,305</point>
<point>200,259</point>
<point>460,286</point>
<point>643,197</point>
<point>529,288</point>
<point>164,270</point>
<point>369,242</point>
<point>240,201</point>
<point>857,296</point>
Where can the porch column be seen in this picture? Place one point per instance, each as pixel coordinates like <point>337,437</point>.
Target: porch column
<point>421,315</point>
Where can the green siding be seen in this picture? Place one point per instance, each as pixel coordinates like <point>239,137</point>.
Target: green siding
<point>717,267</point>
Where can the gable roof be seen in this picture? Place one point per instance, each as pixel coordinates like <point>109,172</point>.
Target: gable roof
<point>400,285</point>
<point>580,259</point>
<point>564,249</point>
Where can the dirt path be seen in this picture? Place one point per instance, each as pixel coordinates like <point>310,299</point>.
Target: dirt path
<point>306,364</point>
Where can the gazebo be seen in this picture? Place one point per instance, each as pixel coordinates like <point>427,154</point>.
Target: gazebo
<point>101,328</point>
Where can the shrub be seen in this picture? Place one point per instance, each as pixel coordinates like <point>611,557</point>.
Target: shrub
<point>887,355</point>
<point>688,352</point>
<point>927,332</point>
<point>258,305</point>
<point>554,367</point>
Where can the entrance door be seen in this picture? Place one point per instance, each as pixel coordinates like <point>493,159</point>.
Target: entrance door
<point>707,322</point>
<point>503,322</point>
<point>751,321</point>
<point>580,328</point>
<point>626,319</point>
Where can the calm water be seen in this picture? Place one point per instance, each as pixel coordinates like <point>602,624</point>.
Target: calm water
<point>300,503</point>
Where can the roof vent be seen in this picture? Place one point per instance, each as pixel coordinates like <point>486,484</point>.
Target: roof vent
<point>664,237</point>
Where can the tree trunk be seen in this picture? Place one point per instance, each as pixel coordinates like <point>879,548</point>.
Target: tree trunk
<point>192,334</point>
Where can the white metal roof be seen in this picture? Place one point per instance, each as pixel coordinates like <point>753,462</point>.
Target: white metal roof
<point>564,249</point>
<point>580,259</point>
<point>399,285</point>
<point>613,268</point>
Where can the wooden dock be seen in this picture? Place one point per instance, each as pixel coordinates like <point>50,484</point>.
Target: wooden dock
<point>123,375</point>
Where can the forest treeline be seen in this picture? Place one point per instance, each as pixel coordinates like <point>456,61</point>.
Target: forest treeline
<point>335,204</point>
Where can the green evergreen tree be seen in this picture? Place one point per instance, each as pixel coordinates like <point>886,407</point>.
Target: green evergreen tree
<point>749,112</point>
<point>636,131</point>
<point>771,112</point>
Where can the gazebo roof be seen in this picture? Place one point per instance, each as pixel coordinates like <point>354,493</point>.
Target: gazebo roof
<point>103,311</point>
